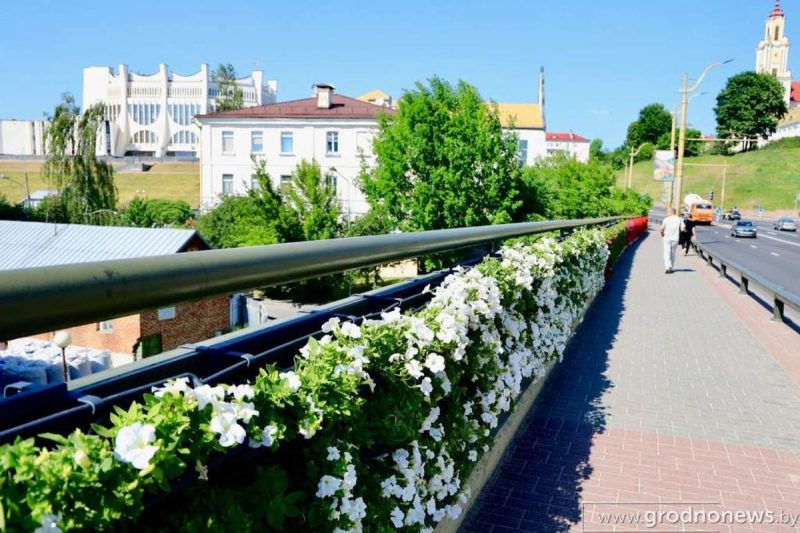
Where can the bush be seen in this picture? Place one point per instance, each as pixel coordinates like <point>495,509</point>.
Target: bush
<point>394,413</point>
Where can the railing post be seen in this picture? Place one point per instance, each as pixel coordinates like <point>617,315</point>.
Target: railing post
<point>723,270</point>
<point>743,285</point>
<point>709,261</point>
<point>777,309</point>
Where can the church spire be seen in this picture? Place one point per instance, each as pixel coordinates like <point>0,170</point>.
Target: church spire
<point>777,11</point>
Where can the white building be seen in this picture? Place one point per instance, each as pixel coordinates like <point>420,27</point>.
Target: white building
<point>151,114</point>
<point>23,137</point>
<point>329,128</point>
<point>568,144</point>
<point>528,122</point>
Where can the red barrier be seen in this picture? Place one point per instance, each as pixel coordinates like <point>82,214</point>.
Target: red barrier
<point>635,228</point>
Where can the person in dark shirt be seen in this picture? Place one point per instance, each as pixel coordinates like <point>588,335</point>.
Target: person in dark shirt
<point>686,235</point>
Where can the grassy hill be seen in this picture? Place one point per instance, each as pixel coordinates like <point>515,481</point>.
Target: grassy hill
<point>769,178</point>
<point>176,181</point>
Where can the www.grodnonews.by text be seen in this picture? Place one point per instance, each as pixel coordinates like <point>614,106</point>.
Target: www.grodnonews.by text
<point>656,518</point>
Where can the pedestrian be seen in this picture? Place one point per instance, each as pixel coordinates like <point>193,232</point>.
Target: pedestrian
<point>671,228</point>
<point>687,231</point>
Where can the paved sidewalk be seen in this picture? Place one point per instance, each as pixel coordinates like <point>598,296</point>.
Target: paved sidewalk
<point>664,396</point>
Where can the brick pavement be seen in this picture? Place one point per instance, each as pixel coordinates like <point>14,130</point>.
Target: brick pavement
<point>667,394</point>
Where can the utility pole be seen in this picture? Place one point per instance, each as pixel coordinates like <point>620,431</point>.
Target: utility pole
<point>724,178</point>
<point>685,90</point>
<point>672,133</point>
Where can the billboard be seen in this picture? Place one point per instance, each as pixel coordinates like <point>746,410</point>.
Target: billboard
<point>664,167</point>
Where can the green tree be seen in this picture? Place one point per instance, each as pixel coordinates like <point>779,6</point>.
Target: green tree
<point>596,150</point>
<point>567,188</point>
<point>10,211</point>
<point>259,217</point>
<point>230,95</point>
<point>444,161</point>
<point>654,120</point>
<point>691,148</point>
<point>314,200</point>
<point>157,213</point>
<point>85,185</point>
<point>750,105</point>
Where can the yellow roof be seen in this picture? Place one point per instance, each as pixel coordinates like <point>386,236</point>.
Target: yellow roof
<point>791,117</point>
<point>375,94</point>
<point>524,116</point>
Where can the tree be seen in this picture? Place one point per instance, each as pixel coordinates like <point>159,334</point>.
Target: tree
<point>750,105</point>
<point>85,185</point>
<point>596,150</point>
<point>259,217</point>
<point>691,148</point>
<point>314,200</point>
<point>567,188</point>
<point>10,211</point>
<point>654,120</point>
<point>444,161</point>
<point>229,95</point>
<point>157,213</point>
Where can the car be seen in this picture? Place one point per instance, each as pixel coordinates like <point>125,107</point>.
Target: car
<point>725,215</point>
<point>744,228</point>
<point>785,224</point>
<point>735,215</point>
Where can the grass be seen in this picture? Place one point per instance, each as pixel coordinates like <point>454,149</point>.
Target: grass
<point>175,181</point>
<point>768,178</point>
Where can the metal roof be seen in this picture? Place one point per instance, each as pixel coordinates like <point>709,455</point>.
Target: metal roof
<point>38,244</point>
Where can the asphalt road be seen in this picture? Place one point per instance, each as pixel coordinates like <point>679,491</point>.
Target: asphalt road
<point>774,255</point>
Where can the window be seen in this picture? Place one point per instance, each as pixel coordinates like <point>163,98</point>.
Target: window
<point>256,142</point>
<point>227,142</point>
<point>777,30</point>
<point>107,326</point>
<point>227,184</point>
<point>166,313</point>
<point>330,180</point>
<point>254,184</point>
<point>522,151</point>
<point>145,137</point>
<point>184,137</point>
<point>287,142</point>
<point>286,180</point>
<point>332,142</point>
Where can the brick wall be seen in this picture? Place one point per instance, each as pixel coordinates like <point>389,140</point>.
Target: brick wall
<point>121,340</point>
<point>193,322</point>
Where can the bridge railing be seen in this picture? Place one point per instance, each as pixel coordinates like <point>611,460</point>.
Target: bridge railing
<point>50,298</point>
<point>780,296</point>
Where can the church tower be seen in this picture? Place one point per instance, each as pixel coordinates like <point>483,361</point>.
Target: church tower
<point>772,55</point>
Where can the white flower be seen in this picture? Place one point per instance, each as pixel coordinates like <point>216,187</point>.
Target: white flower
<point>230,432</point>
<point>414,369</point>
<point>328,326</point>
<point>397,517</point>
<point>244,411</point>
<point>81,459</point>
<point>426,386</point>
<point>354,509</point>
<point>349,329</point>
<point>333,454</point>
<point>49,524</point>
<point>437,433</point>
<point>241,392</point>
<point>205,395</point>
<point>175,387</point>
<point>473,456</point>
<point>392,316</point>
<point>268,435</point>
<point>132,445</point>
<point>435,363</point>
<point>328,486</point>
<point>292,380</point>
<point>349,479</point>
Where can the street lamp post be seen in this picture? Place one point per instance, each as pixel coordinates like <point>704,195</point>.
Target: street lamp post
<point>685,91</point>
<point>633,154</point>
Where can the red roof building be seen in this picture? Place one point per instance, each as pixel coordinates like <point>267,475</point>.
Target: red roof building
<point>567,137</point>
<point>341,107</point>
<point>569,144</point>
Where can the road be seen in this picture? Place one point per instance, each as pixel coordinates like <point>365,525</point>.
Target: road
<point>774,255</point>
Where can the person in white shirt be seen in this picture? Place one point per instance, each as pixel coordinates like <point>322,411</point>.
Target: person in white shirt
<point>671,228</point>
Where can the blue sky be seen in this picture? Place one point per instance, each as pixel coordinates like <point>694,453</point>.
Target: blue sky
<point>604,60</point>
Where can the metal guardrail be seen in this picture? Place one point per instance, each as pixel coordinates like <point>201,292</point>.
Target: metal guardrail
<point>227,359</point>
<point>51,298</point>
<point>781,296</point>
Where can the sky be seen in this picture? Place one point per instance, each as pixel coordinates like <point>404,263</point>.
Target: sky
<point>603,59</point>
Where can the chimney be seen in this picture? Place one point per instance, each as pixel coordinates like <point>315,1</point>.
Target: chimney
<point>324,94</point>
